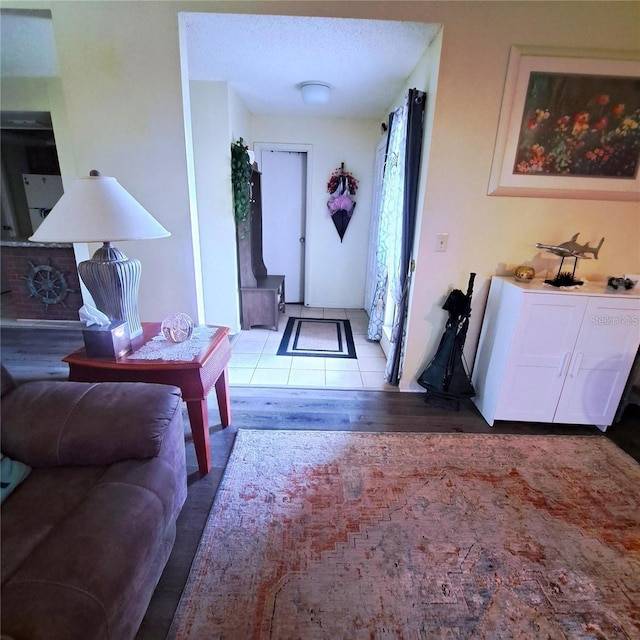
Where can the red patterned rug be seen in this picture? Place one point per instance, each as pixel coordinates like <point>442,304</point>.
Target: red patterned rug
<point>318,535</point>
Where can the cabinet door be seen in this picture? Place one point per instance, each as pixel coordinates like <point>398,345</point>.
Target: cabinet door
<point>544,338</point>
<point>602,359</point>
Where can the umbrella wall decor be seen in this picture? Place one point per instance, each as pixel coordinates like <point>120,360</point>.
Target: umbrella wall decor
<point>342,187</point>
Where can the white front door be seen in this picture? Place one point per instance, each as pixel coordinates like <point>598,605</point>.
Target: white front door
<point>284,197</point>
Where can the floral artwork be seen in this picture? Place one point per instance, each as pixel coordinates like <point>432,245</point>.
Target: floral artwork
<point>579,125</point>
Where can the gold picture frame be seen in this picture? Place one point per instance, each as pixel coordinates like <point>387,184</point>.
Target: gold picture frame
<point>569,126</point>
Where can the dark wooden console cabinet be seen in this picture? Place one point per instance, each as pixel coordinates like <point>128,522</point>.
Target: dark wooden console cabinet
<point>261,294</point>
<point>262,304</point>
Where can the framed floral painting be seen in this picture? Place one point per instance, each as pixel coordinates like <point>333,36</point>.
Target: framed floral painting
<point>569,127</point>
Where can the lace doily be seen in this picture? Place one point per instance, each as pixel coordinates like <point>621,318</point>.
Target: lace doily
<point>159,348</point>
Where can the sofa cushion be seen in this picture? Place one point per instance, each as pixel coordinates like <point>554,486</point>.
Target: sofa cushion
<point>75,423</point>
<point>83,571</point>
<point>29,515</point>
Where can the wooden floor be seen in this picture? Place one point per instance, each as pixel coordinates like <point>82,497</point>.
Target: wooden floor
<point>34,354</point>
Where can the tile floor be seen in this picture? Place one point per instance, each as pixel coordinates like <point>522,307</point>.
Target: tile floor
<point>254,360</point>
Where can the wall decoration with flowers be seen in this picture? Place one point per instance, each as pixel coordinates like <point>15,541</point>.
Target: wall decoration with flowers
<point>569,127</point>
<point>342,186</point>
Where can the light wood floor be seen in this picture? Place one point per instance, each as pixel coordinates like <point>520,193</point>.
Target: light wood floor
<point>31,354</point>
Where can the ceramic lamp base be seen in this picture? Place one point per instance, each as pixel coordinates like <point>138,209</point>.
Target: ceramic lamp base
<point>113,280</point>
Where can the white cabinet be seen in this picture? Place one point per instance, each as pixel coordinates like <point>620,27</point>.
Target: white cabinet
<point>553,355</point>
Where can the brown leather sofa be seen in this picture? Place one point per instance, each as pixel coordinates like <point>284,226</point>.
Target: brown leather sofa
<point>86,535</point>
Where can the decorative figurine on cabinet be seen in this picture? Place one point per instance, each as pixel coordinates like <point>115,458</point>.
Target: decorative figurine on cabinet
<point>569,249</point>
<point>620,283</point>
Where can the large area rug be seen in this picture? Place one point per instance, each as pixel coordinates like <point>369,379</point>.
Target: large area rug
<point>317,337</point>
<point>318,535</point>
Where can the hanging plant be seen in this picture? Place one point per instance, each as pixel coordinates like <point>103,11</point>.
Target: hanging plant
<point>240,180</point>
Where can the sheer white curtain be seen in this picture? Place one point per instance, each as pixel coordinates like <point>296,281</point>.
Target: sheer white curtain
<point>397,227</point>
<point>370,285</point>
<point>388,243</point>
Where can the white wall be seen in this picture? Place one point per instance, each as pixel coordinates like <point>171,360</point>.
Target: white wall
<point>336,270</point>
<point>210,114</point>
<point>120,73</point>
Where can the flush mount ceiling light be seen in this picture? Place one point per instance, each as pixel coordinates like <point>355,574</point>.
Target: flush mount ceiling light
<point>315,92</point>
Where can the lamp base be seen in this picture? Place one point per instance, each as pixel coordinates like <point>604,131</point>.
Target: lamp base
<point>113,280</point>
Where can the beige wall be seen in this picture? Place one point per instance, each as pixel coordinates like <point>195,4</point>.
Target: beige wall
<point>490,234</point>
<point>120,73</point>
<point>336,270</point>
<point>212,158</point>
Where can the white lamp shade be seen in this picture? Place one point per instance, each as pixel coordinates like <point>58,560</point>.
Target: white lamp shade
<point>315,92</point>
<point>98,209</point>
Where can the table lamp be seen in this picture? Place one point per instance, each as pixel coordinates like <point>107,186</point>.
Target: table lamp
<point>98,209</point>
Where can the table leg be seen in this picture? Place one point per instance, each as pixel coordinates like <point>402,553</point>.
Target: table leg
<point>199,419</point>
<point>222,394</point>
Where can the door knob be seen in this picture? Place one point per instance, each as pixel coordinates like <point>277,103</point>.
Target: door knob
<point>302,239</point>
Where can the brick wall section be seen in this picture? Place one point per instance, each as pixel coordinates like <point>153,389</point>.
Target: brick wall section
<point>17,263</point>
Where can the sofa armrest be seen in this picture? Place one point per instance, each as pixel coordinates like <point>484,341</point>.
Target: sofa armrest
<point>75,423</point>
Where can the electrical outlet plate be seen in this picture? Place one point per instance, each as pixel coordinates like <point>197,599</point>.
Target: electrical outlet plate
<point>442,241</point>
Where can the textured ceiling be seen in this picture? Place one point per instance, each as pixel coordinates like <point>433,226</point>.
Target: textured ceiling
<point>265,58</point>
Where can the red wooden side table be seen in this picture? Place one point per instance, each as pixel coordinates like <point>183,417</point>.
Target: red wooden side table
<point>195,378</point>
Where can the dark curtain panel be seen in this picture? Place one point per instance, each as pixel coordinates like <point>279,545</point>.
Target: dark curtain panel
<point>415,127</point>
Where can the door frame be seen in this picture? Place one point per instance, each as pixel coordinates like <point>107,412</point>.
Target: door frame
<point>259,148</point>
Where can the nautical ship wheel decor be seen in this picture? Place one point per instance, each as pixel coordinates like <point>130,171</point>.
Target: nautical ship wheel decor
<point>47,284</point>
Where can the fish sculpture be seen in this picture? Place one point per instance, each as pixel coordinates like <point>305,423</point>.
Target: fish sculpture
<point>571,249</point>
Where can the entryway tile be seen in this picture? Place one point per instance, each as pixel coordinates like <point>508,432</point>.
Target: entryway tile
<point>253,336</point>
<point>372,364</point>
<point>369,350</point>
<point>304,378</point>
<point>359,326</point>
<point>339,364</point>
<point>248,346</point>
<point>270,361</point>
<point>311,312</point>
<point>293,310</point>
<point>270,377</point>
<point>240,376</point>
<point>244,360</point>
<point>335,314</point>
<point>375,380</point>
<point>254,359</point>
<point>344,379</point>
<point>304,362</point>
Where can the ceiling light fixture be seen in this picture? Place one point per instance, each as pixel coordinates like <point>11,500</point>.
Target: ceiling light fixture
<point>315,92</point>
